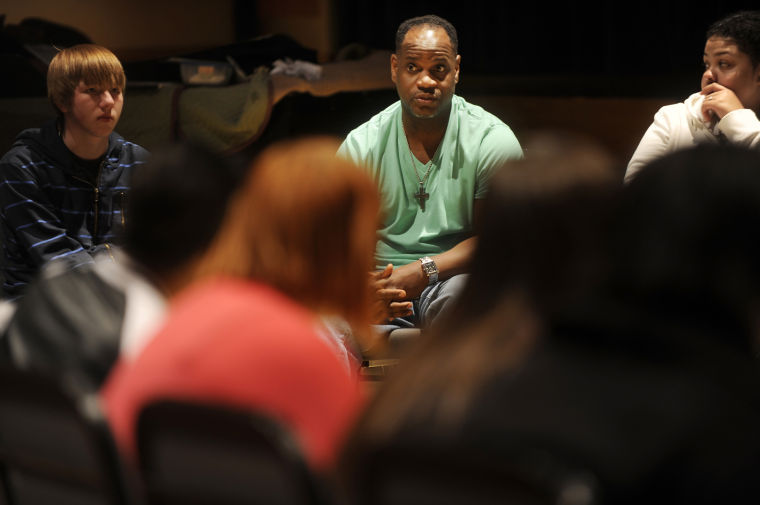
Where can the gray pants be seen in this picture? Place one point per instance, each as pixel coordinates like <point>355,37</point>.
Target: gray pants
<point>433,303</point>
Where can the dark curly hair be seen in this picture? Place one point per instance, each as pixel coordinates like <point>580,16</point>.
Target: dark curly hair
<point>742,27</point>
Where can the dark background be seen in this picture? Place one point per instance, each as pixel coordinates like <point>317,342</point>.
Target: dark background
<point>651,49</point>
<point>601,71</point>
<point>526,48</point>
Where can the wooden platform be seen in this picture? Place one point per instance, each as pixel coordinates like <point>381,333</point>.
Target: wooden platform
<point>616,123</point>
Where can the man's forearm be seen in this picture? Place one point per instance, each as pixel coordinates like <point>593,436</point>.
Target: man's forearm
<point>455,260</point>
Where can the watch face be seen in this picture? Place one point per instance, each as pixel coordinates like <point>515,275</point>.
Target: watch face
<point>430,269</point>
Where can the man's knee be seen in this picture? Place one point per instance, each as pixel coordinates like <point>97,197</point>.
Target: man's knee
<point>441,297</point>
<point>453,286</point>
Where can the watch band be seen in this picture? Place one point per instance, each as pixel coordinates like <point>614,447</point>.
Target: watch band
<point>430,269</point>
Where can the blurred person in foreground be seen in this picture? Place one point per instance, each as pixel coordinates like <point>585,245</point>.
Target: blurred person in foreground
<point>621,345</point>
<point>73,324</point>
<point>294,249</point>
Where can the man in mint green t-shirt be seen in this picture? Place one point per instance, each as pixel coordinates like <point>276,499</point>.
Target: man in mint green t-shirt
<point>432,154</point>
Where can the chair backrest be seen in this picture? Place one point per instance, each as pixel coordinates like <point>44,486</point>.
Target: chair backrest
<point>441,475</point>
<point>55,447</point>
<point>194,453</point>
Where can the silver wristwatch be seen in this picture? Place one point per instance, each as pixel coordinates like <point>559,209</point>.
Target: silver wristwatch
<point>430,269</point>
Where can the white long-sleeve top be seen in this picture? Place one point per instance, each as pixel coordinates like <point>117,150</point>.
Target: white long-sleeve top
<point>680,126</point>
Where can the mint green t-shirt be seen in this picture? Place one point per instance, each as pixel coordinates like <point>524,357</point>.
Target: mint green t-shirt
<point>476,142</point>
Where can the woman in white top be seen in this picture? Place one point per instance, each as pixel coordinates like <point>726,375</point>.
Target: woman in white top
<point>726,108</point>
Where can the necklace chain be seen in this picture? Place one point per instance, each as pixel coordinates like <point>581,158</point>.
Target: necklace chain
<point>429,166</point>
<point>421,195</point>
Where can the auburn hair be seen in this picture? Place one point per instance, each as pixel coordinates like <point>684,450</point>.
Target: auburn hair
<point>305,223</point>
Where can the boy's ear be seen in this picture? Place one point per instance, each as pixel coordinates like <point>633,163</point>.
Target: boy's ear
<point>64,108</point>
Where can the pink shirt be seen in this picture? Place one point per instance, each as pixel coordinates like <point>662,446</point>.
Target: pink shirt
<point>243,344</point>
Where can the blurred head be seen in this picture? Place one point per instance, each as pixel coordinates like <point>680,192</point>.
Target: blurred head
<point>88,65</point>
<point>542,228</point>
<point>305,223</point>
<point>176,205</point>
<point>686,247</point>
<point>540,244</point>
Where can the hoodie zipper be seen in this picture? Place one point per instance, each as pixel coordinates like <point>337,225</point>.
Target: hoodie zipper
<point>97,196</point>
<point>96,199</point>
<point>123,198</point>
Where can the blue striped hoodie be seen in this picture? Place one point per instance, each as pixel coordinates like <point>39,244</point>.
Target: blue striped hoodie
<point>53,209</point>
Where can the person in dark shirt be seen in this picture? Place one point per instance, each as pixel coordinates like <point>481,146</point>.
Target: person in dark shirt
<point>620,347</point>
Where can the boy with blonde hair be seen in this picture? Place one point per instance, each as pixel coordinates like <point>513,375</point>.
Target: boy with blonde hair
<point>63,187</point>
